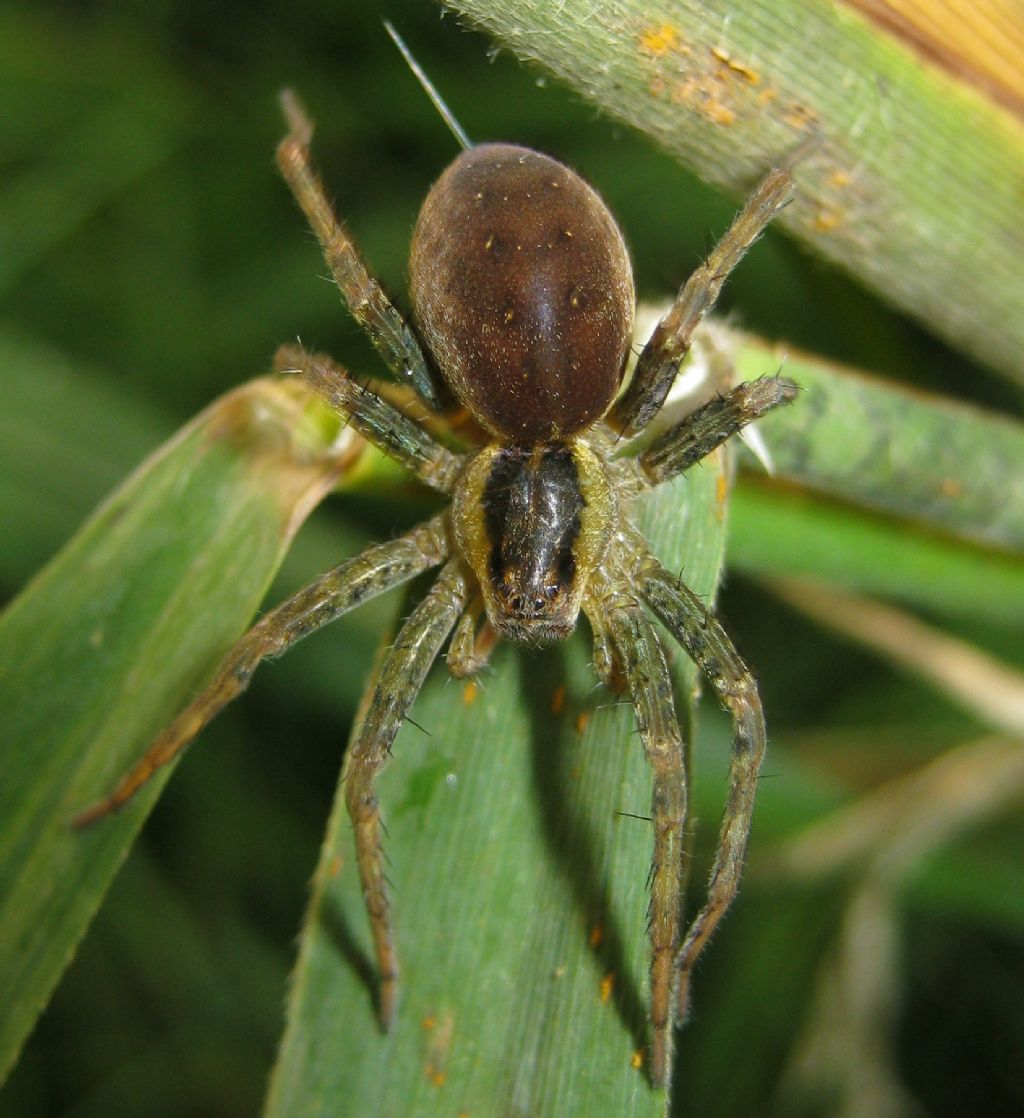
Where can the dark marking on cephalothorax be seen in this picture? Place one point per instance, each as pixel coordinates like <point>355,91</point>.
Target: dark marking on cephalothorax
<point>532,506</point>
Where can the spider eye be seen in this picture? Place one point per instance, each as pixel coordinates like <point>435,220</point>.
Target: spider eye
<point>525,605</point>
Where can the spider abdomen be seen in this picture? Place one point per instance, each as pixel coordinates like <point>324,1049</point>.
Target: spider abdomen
<point>522,289</point>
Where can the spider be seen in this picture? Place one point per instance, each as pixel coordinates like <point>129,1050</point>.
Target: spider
<point>523,297</point>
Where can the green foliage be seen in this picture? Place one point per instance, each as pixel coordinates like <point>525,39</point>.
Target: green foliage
<point>98,652</point>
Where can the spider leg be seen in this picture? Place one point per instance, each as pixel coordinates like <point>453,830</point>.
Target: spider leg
<point>638,650</point>
<point>356,581</point>
<point>698,434</point>
<point>668,345</point>
<point>706,642</point>
<point>472,643</point>
<point>392,432</point>
<point>398,683</point>
<point>603,657</point>
<point>369,306</point>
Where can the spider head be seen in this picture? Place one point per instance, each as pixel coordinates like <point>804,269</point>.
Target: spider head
<point>534,522</point>
<point>528,609</point>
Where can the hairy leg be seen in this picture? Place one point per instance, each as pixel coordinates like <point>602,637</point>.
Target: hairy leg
<point>472,643</point>
<point>695,436</point>
<point>356,581</point>
<point>704,639</point>
<point>381,423</point>
<point>369,306</point>
<point>399,681</point>
<point>668,345</point>
<point>637,649</point>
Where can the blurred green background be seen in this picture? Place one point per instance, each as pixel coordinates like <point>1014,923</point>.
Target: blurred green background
<point>150,259</point>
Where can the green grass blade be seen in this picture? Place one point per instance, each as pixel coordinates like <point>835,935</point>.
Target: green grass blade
<point>916,524</point>
<point>775,530</point>
<point>519,874</point>
<point>929,459</point>
<point>106,643</point>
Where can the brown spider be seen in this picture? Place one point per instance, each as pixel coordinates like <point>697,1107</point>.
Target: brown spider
<point>523,295</point>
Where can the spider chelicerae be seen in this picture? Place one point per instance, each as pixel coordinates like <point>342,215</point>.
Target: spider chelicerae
<point>522,294</point>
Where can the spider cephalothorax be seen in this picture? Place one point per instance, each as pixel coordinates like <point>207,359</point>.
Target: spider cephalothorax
<point>523,298</point>
<point>533,523</point>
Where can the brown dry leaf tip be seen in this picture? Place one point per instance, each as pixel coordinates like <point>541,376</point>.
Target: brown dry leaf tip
<point>977,42</point>
<point>658,41</point>
<point>558,699</point>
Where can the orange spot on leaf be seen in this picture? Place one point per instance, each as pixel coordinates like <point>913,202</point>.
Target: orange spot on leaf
<point>826,220</point>
<point>951,487</point>
<point>839,178</point>
<point>736,67</point>
<point>704,94</point>
<point>658,41</point>
<point>721,494</point>
<point>607,985</point>
<point>558,699</point>
<point>438,1048</point>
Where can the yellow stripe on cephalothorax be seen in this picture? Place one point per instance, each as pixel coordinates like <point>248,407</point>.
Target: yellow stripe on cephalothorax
<point>468,521</point>
<point>600,510</point>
